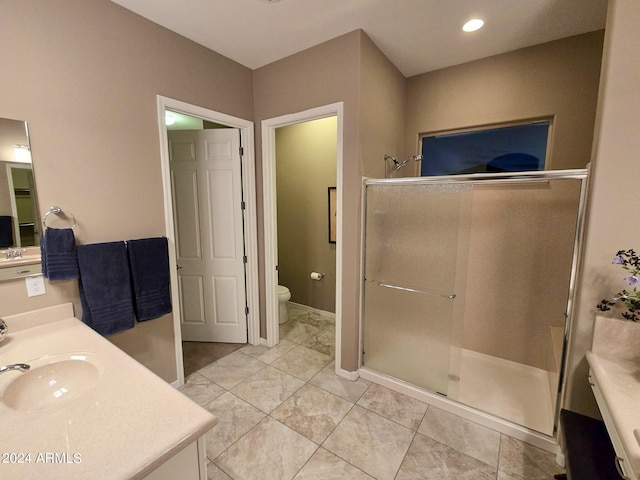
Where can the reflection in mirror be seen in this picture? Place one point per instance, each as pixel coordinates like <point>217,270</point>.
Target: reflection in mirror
<point>19,218</point>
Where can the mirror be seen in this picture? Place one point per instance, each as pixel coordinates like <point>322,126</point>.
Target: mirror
<point>19,216</point>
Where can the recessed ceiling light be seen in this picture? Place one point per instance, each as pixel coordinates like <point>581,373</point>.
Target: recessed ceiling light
<point>473,25</point>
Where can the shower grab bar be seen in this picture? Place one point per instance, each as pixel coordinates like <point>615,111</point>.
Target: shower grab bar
<point>413,290</point>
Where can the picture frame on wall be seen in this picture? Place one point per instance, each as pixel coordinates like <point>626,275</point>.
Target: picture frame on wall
<point>333,204</point>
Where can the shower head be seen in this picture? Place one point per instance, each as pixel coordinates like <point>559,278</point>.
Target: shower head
<point>398,165</point>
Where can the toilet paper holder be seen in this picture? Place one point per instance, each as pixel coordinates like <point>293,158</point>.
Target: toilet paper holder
<point>316,276</point>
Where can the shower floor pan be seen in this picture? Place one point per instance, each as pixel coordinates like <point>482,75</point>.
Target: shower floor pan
<point>518,393</point>
<point>509,397</point>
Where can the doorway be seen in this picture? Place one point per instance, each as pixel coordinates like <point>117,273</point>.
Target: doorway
<point>269,128</point>
<point>23,204</point>
<point>211,227</point>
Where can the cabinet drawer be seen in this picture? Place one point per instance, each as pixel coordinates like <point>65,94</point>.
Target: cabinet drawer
<point>19,271</point>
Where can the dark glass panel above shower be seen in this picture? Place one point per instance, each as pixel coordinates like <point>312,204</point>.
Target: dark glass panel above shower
<point>518,148</point>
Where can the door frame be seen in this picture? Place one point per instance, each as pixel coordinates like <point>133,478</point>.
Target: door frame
<point>268,128</point>
<point>17,240</point>
<point>250,216</point>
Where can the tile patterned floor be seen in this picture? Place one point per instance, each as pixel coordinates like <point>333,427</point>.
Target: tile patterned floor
<point>283,414</point>
<point>197,355</point>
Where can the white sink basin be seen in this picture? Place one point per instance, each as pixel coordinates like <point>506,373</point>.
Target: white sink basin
<point>52,381</point>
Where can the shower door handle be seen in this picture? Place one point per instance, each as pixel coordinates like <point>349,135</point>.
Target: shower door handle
<point>413,290</point>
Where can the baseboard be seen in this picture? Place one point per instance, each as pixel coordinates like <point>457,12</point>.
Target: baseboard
<point>312,309</point>
<point>353,376</point>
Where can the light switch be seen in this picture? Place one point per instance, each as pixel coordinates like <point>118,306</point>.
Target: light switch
<point>35,285</point>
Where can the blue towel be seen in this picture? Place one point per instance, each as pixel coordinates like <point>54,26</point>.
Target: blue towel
<point>6,231</point>
<point>58,254</point>
<point>149,260</point>
<point>105,287</point>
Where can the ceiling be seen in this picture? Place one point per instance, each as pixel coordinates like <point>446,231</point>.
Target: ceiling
<point>416,35</point>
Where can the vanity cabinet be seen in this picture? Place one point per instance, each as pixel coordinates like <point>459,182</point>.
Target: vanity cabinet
<point>188,464</point>
<point>588,452</point>
<point>12,271</point>
<point>110,416</point>
<point>25,266</point>
<point>622,460</point>
<point>614,375</point>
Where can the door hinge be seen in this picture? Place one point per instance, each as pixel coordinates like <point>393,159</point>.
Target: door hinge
<point>246,310</point>
<point>244,259</point>
<point>243,205</point>
<point>241,151</point>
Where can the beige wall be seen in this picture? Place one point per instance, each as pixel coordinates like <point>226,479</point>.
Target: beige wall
<point>286,87</point>
<point>305,168</point>
<point>352,70</point>
<point>519,270</point>
<point>557,79</point>
<point>382,110</point>
<point>91,108</point>
<point>85,75</point>
<point>612,222</point>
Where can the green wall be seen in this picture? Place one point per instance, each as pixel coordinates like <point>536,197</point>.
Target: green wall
<point>305,168</point>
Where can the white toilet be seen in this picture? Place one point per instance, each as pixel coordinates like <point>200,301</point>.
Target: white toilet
<point>283,297</point>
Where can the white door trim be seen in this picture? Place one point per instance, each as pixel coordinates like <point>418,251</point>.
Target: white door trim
<point>17,241</point>
<point>268,128</point>
<point>250,215</point>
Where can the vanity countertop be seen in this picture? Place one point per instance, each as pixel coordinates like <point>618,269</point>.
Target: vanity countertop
<point>30,256</point>
<point>618,381</point>
<point>124,427</point>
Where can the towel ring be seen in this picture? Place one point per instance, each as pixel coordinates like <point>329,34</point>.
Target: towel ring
<point>57,211</point>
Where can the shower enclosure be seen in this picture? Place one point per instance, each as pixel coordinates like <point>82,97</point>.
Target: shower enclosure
<point>467,287</point>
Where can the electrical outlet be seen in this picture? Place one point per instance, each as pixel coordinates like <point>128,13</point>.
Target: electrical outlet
<point>35,285</point>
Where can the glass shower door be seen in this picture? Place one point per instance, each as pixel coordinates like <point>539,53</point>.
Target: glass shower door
<point>416,247</point>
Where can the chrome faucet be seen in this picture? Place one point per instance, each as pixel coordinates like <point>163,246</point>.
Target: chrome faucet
<point>3,330</point>
<point>12,253</point>
<point>22,367</point>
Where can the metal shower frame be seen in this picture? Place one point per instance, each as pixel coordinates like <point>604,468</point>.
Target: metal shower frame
<point>511,177</point>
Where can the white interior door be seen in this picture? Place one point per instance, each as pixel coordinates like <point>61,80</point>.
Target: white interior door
<point>207,196</point>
